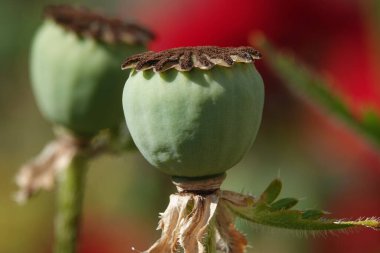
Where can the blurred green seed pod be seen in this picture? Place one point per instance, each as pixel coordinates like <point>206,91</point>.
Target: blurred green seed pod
<point>195,111</point>
<point>75,67</point>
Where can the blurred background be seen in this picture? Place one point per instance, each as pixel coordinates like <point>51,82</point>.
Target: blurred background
<point>319,159</point>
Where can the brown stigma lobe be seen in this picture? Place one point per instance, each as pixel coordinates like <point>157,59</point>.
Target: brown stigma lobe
<point>187,58</point>
<point>90,24</point>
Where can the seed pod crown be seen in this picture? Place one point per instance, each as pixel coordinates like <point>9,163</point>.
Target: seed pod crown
<point>87,23</point>
<point>187,58</point>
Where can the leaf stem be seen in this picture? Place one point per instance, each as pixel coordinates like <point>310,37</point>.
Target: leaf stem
<point>69,205</point>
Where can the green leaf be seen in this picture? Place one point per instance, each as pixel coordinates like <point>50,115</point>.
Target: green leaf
<point>373,223</point>
<point>313,214</point>
<point>283,204</point>
<point>280,215</point>
<point>374,12</point>
<point>370,123</point>
<point>271,192</point>
<point>309,85</point>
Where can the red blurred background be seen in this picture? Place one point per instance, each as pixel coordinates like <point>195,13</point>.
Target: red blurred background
<point>317,155</point>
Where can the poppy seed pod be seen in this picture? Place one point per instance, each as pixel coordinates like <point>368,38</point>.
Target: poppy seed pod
<point>75,67</point>
<point>194,112</point>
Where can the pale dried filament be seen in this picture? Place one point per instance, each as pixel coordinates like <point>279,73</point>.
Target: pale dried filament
<point>193,220</point>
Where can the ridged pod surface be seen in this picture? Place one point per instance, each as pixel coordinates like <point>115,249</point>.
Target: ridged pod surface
<point>194,123</point>
<point>77,80</point>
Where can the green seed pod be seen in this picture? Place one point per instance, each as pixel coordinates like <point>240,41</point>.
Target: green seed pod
<point>75,68</point>
<point>194,112</point>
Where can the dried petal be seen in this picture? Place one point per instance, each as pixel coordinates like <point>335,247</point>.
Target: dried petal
<point>194,227</point>
<point>41,172</point>
<point>231,240</point>
<point>170,223</point>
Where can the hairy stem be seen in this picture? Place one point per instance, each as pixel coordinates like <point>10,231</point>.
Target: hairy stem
<point>69,205</point>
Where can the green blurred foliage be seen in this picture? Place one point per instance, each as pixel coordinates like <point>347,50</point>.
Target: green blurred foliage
<point>313,88</point>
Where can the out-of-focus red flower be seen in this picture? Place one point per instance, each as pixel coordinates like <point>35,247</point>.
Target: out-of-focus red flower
<point>358,201</point>
<point>349,60</point>
<point>301,25</point>
<point>328,34</point>
<point>335,146</point>
<point>100,235</point>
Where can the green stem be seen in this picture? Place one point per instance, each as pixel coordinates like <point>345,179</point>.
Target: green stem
<point>210,240</point>
<point>69,205</point>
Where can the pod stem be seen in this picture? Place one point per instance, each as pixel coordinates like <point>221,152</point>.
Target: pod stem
<point>70,193</point>
<point>210,240</point>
